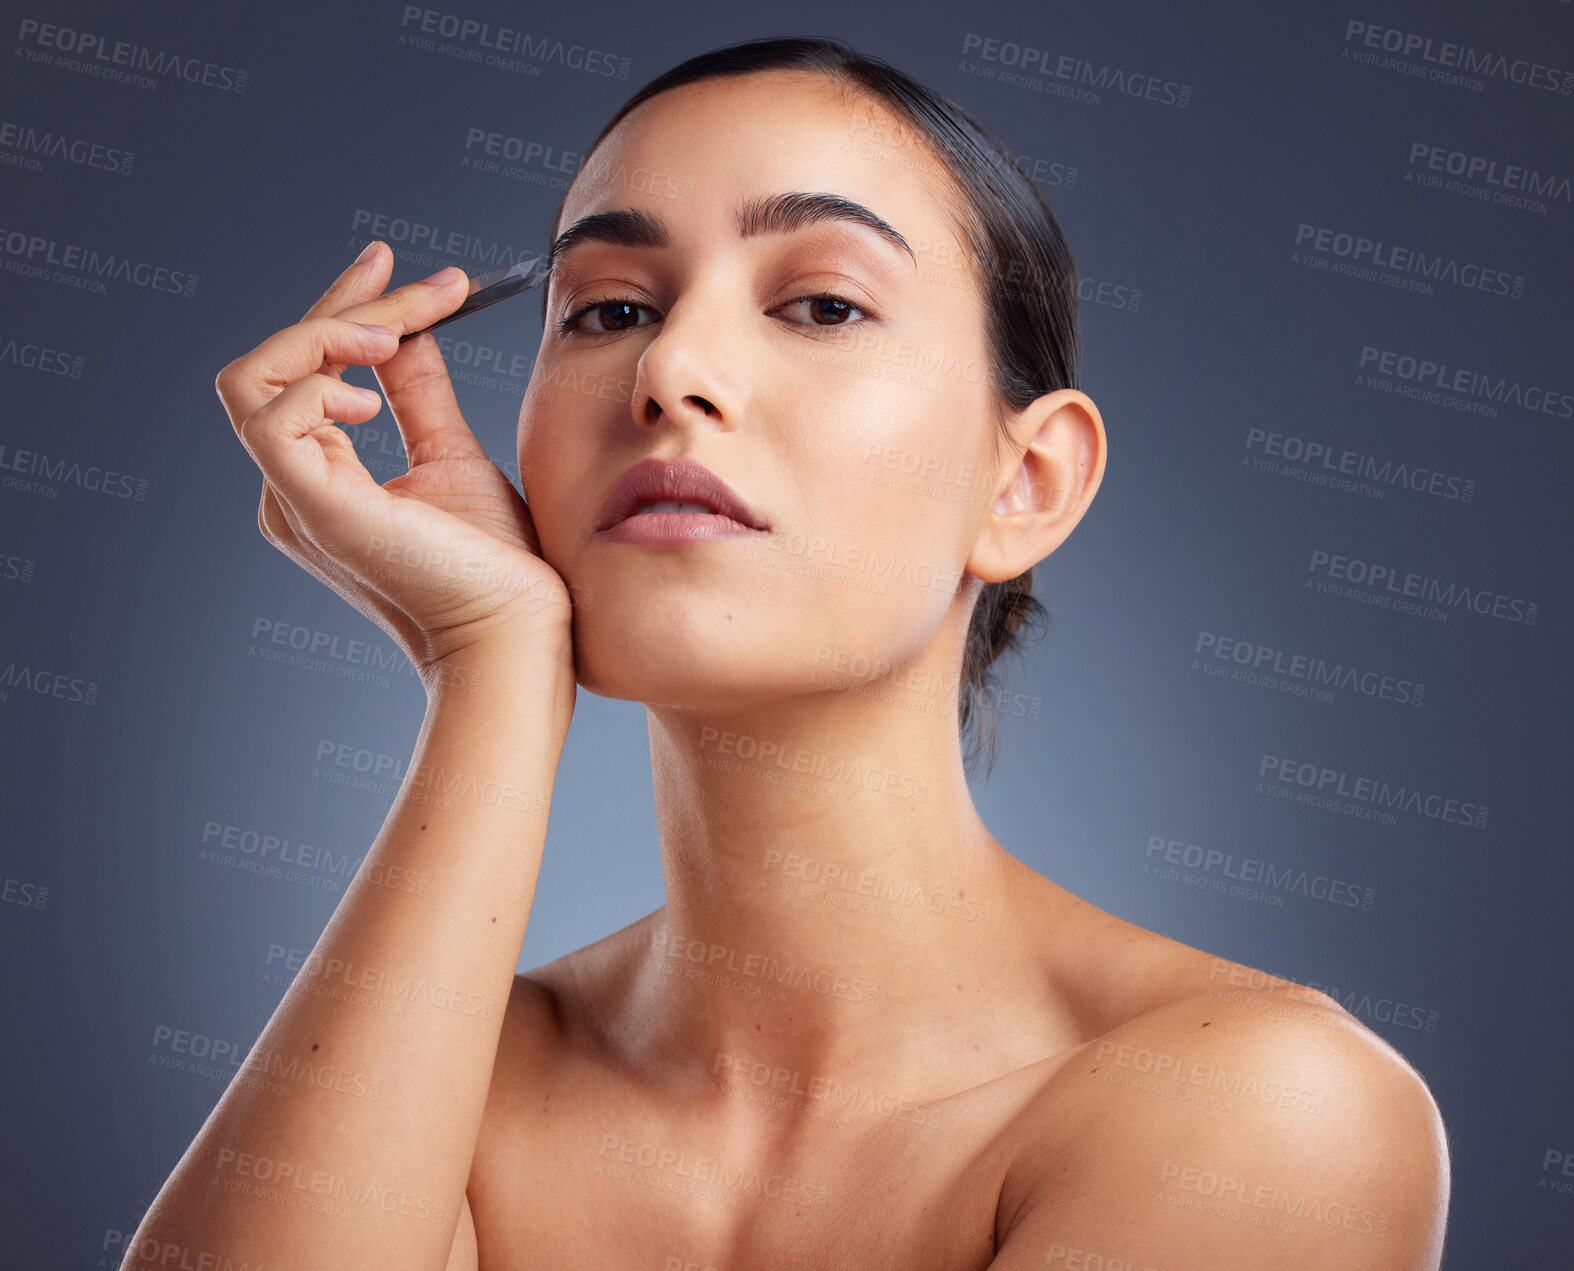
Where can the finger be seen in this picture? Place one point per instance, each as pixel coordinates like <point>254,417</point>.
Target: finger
<point>412,307</point>
<point>366,278</point>
<point>415,379</point>
<point>250,382</point>
<point>421,395</point>
<point>416,305</point>
<point>305,456</point>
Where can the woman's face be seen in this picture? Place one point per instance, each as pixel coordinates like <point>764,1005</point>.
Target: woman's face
<point>857,429</point>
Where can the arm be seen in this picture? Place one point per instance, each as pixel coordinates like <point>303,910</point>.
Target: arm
<point>419,1009</point>
<point>1294,1140</point>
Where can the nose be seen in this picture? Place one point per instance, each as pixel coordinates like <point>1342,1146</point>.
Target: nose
<point>687,373</point>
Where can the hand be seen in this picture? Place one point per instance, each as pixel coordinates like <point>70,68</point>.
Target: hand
<point>443,558</point>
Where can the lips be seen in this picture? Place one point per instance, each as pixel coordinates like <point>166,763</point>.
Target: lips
<point>673,481</point>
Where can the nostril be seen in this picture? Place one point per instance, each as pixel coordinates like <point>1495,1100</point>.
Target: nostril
<point>653,409</point>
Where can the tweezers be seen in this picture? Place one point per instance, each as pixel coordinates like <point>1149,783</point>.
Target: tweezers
<point>525,274</point>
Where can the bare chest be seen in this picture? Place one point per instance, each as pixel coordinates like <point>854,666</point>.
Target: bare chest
<point>589,1174</point>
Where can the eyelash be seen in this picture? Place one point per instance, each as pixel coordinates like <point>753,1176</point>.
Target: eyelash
<point>565,325</point>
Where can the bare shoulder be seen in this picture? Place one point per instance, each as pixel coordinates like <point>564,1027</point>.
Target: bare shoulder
<point>546,1028</point>
<point>551,1005</point>
<point>1225,1117</point>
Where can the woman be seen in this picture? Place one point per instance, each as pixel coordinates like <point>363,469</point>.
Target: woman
<point>803,419</point>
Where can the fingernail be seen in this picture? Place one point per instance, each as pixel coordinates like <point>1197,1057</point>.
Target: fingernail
<point>376,328</point>
<point>367,252</point>
<point>443,276</point>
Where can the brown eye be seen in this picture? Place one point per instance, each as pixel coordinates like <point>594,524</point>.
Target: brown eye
<point>830,308</point>
<point>615,313</point>
<point>826,310</point>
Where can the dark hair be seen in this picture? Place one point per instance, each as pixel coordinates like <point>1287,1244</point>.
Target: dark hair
<point>1017,248</point>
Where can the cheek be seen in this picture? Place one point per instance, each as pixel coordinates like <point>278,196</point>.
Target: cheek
<point>914,479</point>
<point>886,531</point>
<point>555,464</point>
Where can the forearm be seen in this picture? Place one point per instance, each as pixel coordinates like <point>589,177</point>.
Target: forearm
<point>346,1140</point>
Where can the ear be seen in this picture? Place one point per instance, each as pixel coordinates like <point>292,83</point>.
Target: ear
<point>1042,491</point>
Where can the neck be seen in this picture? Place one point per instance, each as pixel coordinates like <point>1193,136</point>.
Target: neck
<point>833,899</point>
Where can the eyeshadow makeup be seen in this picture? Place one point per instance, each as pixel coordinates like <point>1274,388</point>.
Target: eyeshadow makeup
<point>525,274</point>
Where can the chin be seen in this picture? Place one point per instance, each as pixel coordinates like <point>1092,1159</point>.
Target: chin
<point>664,648</point>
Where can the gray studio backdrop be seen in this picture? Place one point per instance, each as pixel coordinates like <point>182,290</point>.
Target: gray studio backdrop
<point>1303,702</point>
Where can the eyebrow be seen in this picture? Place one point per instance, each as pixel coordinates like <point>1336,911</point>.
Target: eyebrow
<point>771,214</point>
